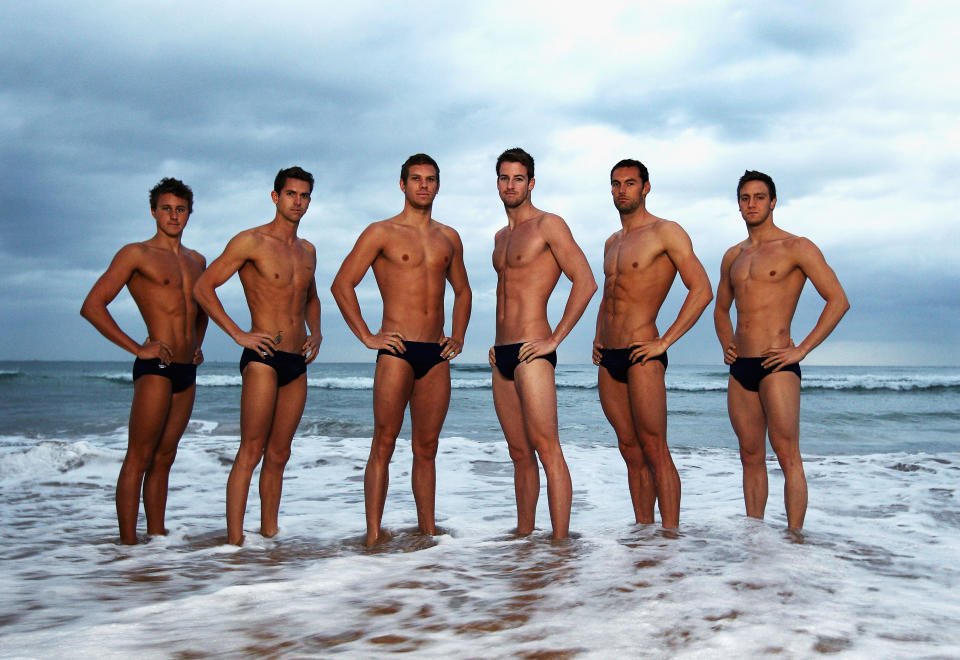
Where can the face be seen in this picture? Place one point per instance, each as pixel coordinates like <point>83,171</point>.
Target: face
<point>628,189</point>
<point>421,186</point>
<point>171,214</point>
<point>292,201</point>
<point>513,185</point>
<point>755,202</point>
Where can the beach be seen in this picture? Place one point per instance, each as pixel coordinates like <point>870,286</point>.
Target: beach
<point>872,575</point>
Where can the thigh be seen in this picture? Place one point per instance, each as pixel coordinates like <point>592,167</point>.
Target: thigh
<point>148,413</point>
<point>288,410</point>
<point>430,400</point>
<point>538,399</point>
<point>747,417</point>
<point>181,406</point>
<point>780,395</point>
<point>615,401</point>
<point>392,387</point>
<point>258,399</point>
<point>648,398</point>
<point>506,402</point>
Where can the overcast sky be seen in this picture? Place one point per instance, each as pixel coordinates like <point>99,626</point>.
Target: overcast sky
<point>852,107</point>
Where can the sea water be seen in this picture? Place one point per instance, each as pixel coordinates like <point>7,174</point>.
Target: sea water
<point>873,574</point>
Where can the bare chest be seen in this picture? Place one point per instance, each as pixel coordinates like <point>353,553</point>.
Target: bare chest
<point>632,254</point>
<point>431,251</point>
<point>519,247</point>
<point>763,265</point>
<point>281,266</point>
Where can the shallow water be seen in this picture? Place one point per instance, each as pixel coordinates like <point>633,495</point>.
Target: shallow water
<point>873,575</point>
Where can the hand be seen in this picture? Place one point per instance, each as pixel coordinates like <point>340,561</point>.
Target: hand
<point>648,349</point>
<point>535,348</point>
<point>492,357</point>
<point>451,348</point>
<point>730,353</point>
<point>260,342</point>
<point>778,358</point>
<point>152,350</point>
<point>596,353</point>
<point>197,356</point>
<point>391,341</point>
<point>311,347</point>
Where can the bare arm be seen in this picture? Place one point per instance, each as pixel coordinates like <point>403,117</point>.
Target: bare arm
<point>106,288</point>
<point>201,321</point>
<point>351,272</point>
<point>721,309</point>
<point>694,277</point>
<point>312,315</point>
<point>221,270</point>
<point>462,300</point>
<point>815,267</point>
<point>574,265</point>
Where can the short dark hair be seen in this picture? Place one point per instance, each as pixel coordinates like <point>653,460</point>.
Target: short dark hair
<point>630,162</point>
<point>292,173</point>
<point>174,187</point>
<point>753,175</point>
<point>417,159</point>
<point>516,155</point>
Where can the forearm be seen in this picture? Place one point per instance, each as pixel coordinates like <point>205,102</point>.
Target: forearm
<point>201,326</point>
<point>312,316</point>
<point>349,306</point>
<point>723,325</point>
<point>462,306</point>
<point>580,294</point>
<point>207,298</point>
<point>696,301</point>
<point>832,312</point>
<point>101,319</point>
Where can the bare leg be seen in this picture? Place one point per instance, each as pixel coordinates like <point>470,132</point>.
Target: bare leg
<point>288,410</point>
<point>148,414</point>
<point>615,401</point>
<point>392,385</point>
<point>780,394</point>
<point>526,472</point>
<point>428,409</point>
<point>749,423</point>
<point>538,400</point>
<point>257,401</point>
<point>648,399</point>
<point>158,474</point>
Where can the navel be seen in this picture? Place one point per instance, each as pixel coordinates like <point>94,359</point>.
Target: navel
<point>772,273</point>
<point>166,281</point>
<point>635,264</point>
<point>276,276</point>
<point>406,257</point>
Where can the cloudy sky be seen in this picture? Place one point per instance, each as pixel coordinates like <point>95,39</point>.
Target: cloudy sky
<point>852,107</point>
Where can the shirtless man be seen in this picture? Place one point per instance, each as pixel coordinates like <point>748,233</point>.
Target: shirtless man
<point>413,257</point>
<point>159,273</point>
<point>640,263</point>
<point>765,275</point>
<point>529,254</point>
<point>276,270</point>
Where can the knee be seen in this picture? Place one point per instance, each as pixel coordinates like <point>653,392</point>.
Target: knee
<point>163,460</point>
<point>381,449</point>
<point>753,458</point>
<point>425,450</point>
<point>523,457</point>
<point>276,458</point>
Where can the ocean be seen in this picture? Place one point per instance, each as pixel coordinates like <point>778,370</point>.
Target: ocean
<point>873,575</point>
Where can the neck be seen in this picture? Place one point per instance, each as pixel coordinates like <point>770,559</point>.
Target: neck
<point>763,231</point>
<point>518,214</point>
<point>636,218</point>
<point>167,242</point>
<point>413,215</point>
<point>283,228</point>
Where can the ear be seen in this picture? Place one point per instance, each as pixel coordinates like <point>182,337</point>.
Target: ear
<point>646,189</point>
<point>403,185</point>
<point>275,196</point>
<point>530,184</point>
<point>773,203</point>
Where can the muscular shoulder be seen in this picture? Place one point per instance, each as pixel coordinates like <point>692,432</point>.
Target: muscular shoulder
<point>448,232</point>
<point>194,256</point>
<point>307,246</point>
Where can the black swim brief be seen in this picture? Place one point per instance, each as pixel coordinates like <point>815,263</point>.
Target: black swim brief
<point>617,361</point>
<point>508,358</point>
<point>750,371</point>
<point>289,366</point>
<point>180,374</point>
<point>421,355</point>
